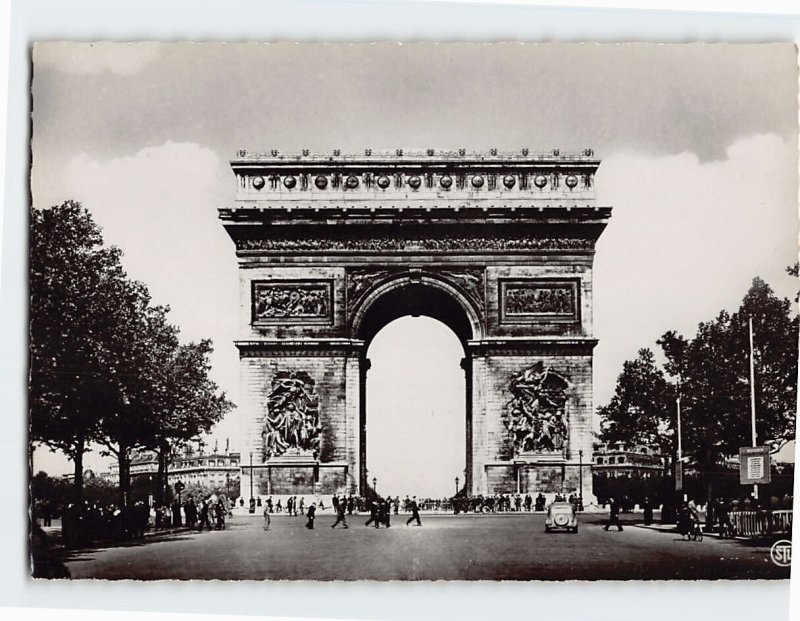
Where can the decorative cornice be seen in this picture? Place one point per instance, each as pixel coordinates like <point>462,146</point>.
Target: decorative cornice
<point>272,180</point>
<point>272,348</point>
<point>427,156</point>
<point>432,244</point>
<point>544,346</point>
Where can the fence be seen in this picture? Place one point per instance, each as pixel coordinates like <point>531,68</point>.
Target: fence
<point>755,523</point>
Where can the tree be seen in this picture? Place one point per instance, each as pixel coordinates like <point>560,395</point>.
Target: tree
<point>187,403</point>
<point>73,280</point>
<point>641,410</point>
<point>712,371</point>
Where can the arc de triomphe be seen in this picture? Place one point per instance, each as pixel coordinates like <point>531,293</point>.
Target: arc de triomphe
<point>498,246</point>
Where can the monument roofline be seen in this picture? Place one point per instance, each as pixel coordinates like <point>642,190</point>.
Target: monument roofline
<point>371,157</point>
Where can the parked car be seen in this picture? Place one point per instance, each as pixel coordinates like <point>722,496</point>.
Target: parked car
<point>561,516</point>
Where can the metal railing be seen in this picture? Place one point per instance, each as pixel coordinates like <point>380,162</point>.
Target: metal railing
<point>756,523</point>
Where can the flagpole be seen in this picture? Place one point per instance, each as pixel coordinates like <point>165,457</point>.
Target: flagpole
<point>753,399</point>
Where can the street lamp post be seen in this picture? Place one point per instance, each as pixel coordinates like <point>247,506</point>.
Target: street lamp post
<point>375,485</point>
<point>580,479</point>
<point>456,486</point>
<point>251,476</point>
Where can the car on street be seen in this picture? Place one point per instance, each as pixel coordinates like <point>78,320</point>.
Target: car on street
<point>561,516</point>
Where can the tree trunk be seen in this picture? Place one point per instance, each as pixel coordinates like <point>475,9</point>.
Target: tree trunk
<point>77,459</point>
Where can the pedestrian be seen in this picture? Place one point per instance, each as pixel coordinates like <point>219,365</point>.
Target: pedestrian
<point>176,513</point>
<point>340,517</point>
<point>528,502</point>
<point>302,506</point>
<point>191,512</point>
<point>647,507</point>
<point>414,512</point>
<point>335,503</point>
<point>219,514</point>
<point>289,505</point>
<point>373,514</point>
<point>312,511</point>
<point>613,515</point>
<point>384,512</point>
<point>351,503</point>
<point>267,519</point>
<point>269,504</point>
<point>278,507</point>
<point>203,516</point>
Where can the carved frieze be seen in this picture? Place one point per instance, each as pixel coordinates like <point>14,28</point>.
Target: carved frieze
<point>536,417</point>
<point>292,423</point>
<point>360,281</point>
<point>287,301</point>
<point>469,281</point>
<point>539,300</point>
<point>436,244</point>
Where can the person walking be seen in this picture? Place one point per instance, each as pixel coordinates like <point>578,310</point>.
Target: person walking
<point>647,508</point>
<point>312,512</point>
<point>373,514</point>
<point>414,512</point>
<point>191,512</point>
<point>302,505</point>
<point>613,515</point>
<point>384,512</point>
<point>267,519</point>
<point>340,515</point>
<point>204,521</point>
<point>289,505</point>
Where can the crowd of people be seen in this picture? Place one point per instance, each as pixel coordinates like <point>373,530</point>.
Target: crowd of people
<point>500,503</point>
<point>86,523</point>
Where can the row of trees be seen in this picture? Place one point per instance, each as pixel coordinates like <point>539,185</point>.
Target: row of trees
<point>711,374</point>
<point>106,366</point>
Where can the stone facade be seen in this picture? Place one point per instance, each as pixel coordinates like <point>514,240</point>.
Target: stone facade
<point>500,247</point>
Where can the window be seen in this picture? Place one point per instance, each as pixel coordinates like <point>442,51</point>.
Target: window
<point>621,459</point>
<point>600,460</point>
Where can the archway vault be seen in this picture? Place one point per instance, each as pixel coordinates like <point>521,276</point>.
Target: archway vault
<point>498,246</point>
<point>452,296</point>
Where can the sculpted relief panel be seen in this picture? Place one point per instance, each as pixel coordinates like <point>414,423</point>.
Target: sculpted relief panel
<point>534,300</point>
<point>292,424</point>
<point>277,302</point>
<point>536,415</point>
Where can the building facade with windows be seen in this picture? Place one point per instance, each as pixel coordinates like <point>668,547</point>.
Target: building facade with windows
<point>619,459</point>
<point>213,469</point>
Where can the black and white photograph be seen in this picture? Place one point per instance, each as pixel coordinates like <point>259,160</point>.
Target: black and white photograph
<point>412,312</point>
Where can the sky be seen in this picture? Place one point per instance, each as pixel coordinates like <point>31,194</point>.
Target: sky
<point>698,146</point>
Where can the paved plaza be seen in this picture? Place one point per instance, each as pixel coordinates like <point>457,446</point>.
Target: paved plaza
<point>445,547</point>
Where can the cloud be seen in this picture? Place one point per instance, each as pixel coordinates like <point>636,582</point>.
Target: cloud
<point>685,241</point>
<point>123,59</point>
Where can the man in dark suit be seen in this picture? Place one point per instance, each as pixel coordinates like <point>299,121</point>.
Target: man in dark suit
<point>613,515</point>
<point>384,512</point>
<point>414,512</point>
<point>312,512</point>
<point>340,510</point>
<point>373,514</point>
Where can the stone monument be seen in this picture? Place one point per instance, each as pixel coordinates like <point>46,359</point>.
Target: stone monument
<point>498,246</point>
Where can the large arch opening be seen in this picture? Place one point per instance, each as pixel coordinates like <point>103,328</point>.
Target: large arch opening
<point>416,385</point>
<point>415,409</point>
